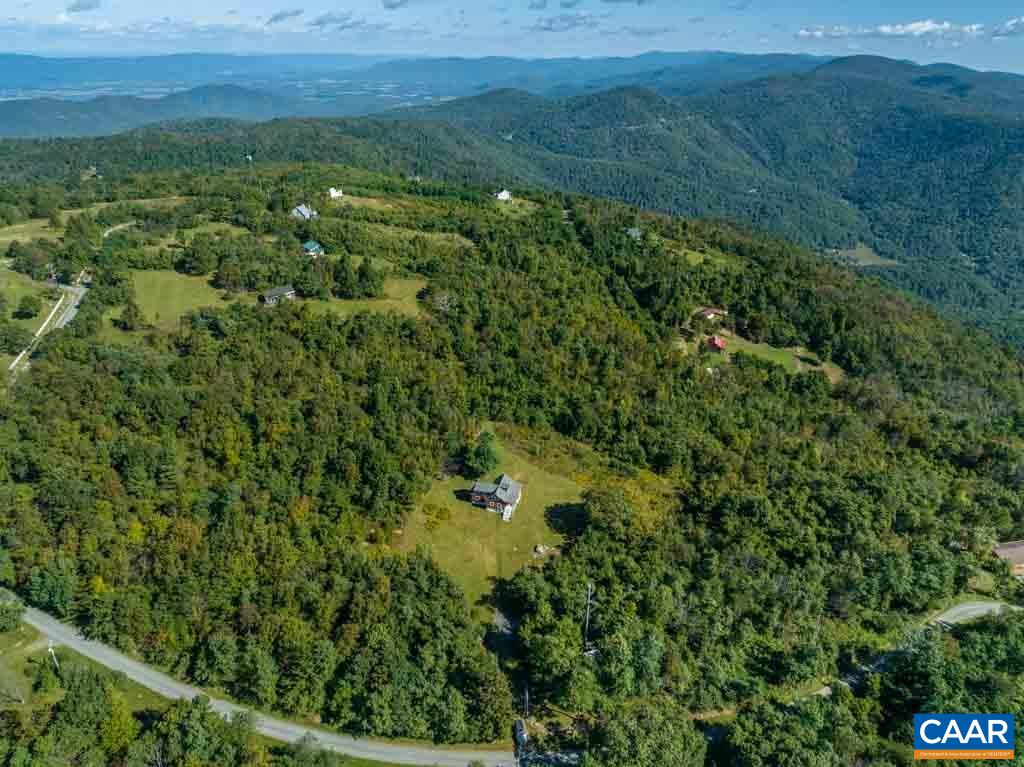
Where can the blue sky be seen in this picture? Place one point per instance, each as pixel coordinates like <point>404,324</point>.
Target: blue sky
<point>988,34</point>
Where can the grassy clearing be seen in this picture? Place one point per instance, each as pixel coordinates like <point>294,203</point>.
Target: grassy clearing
<point>399,296</point>
<point>517,207</point>
<point>16,648</point>
<point>21,652</point>
<point>372,203</point>
<point>164,297</point>
<point>793,359</point>
<point>473,545</point>
<point>14,286</point>
<point>27,231</point>
<point>439,238</point>
<point>40,229</point>
<point>862,255</point>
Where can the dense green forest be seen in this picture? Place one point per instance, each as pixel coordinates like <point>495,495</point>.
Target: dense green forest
<point>219,498</point>
<point>919,163</point>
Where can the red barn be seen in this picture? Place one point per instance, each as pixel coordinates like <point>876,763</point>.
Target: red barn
<point>716,344</point>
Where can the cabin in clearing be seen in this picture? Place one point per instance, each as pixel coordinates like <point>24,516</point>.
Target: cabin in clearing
<point>274,296</point>
<point>501,497</point>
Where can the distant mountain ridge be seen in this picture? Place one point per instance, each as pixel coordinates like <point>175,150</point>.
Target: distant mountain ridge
<point>184,69</point>
<point>46,118</point>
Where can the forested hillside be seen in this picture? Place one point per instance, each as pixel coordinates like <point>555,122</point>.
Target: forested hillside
<point>920,164</point>
<point>223,494</point>
<point>44,118</point>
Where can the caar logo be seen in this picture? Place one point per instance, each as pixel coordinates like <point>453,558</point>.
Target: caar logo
<point>963,736</point>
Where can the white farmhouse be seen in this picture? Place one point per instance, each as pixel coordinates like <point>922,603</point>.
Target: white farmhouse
<point>336,194</point>
<point>504,196</point>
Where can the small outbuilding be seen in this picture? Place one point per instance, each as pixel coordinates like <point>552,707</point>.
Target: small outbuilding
<point>336,194</point>
<point>503,196</point>
<point>635,233</point>
<point>274,296</point>
<point>716,344</point>
<point>312,248</point>
<point>304,213</point>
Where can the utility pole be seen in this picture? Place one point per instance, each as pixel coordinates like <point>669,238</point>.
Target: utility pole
<point>586,623</point>
<point>526,702</point>
<point>53,655</point>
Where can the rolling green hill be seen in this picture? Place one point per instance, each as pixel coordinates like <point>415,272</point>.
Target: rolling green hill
<point>269,501</point>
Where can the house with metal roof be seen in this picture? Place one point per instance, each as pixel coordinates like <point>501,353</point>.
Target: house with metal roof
<point>501,497</point>
<point>312,248</point>
<point>304,213</point>
<point>274,296</point>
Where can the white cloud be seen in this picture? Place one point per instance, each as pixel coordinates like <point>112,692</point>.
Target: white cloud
<point>927,30</point>
<point>1011,28</point>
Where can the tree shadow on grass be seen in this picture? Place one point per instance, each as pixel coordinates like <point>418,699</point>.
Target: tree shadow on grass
<point>568,519</point>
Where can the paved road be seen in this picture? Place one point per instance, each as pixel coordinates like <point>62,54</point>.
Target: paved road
<point>277,729</point>
<point>62,313</point>
<point>969,611</point>
<point>74,294</point>
<point>961,613</point>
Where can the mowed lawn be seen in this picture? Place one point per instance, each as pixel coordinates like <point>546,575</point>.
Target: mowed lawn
<point>39,228</point>
<point>16,647</point>
<point>164,297</point>
<point>794,359</point>
<point>27,231</point>
<point>399,296</point>
<point>475,546</point>
<point>14,286</point>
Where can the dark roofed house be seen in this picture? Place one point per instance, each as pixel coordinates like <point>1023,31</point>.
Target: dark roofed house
<point>1012,553</point>
<point>274,296</point>
<point>313,249</point>
<point>501,497</point>
<point>711,313</point>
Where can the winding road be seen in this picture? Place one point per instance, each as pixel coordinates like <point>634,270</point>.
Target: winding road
<point>965,612</point>
<point>278,729</point>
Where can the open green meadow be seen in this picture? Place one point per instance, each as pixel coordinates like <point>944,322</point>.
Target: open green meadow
<point>166,296</point>
<point>40,229</point>
<point>793,359</point>
<point>26,231</point>
<point>15,286</point>
<point>862,255</point>
<point>475,546</point>
<point>399,296</point>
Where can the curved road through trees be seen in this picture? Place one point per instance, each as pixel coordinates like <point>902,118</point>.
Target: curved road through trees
<point>278,729</point>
